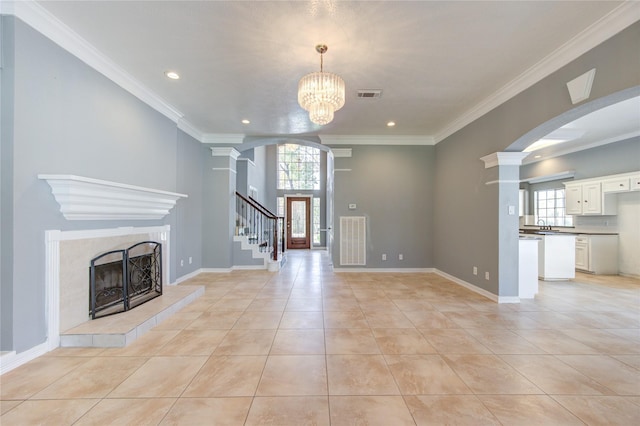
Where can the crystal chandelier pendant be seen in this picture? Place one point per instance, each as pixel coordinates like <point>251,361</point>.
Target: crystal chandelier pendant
<point>321,93</point>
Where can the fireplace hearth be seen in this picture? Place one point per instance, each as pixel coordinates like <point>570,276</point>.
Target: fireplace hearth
<point>123,279</point>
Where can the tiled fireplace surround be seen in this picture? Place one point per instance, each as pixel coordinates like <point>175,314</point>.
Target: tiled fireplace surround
<point>68,256</point>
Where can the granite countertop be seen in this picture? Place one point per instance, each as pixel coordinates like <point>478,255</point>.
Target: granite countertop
<point>536,231</point>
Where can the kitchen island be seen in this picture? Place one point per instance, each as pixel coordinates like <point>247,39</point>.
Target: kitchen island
<point>557,256</point>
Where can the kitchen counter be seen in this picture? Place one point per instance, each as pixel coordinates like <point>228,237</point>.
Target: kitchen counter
<point>537,231</point>
<point>557,257</point>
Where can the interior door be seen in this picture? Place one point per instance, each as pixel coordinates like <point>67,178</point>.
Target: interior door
<point>298,223</point>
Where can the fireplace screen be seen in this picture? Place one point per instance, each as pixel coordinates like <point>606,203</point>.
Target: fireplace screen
<point>123,279</point>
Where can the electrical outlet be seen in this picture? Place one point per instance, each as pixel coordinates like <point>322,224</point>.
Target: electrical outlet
<point>486,275</point>
<point>190,260</point>
<point>384,257</point>
<point>475,270</point>
<point>400,256</point>
<point>181,262</point>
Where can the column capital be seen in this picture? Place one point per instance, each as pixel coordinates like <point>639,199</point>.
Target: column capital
<point>504,159</point>
<point>225,151</point>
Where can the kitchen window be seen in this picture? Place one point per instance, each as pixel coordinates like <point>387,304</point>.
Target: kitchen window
<point>549,206</point>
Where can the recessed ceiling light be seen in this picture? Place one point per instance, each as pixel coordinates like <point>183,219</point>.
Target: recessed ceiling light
<point>245,121</point>
<point>391,123</point>
<point>537,156</point>
<point>172,75</point>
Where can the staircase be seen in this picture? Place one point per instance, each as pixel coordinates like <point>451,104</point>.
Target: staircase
<point>260,235</point>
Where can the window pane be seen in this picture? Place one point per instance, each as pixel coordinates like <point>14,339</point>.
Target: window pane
<point>298,167</point>
<point>549,208</point>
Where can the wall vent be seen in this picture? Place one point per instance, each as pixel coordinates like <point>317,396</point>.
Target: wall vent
<point>353,240</point>
<point>369,93</point>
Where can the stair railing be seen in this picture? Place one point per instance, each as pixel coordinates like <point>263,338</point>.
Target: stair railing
<point>259,225</point>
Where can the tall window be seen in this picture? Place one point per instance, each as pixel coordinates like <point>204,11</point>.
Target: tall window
<point>549,206</point>
<point>316,220</point>
<point>298,167</point>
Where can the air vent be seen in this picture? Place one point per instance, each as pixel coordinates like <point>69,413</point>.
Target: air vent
<point>370,93</point>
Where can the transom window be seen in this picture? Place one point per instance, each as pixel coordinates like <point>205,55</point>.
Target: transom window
<point>549,206</point>
<point>298,167</point>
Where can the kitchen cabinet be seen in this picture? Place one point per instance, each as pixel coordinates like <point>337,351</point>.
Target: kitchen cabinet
<point>615,185</point>
<point>597,254</point>
<point>556,257</point>
<point>634,183</point>
<point>588,199</point>
<point>528,267</point>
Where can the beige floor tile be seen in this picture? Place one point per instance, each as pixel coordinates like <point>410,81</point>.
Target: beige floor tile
<point>463,410</point>
<point>93,379</point>
<point>386,319</point>
<point>289,411</point>
<point>298,342</point>
<point>424,375</point>
<point>117,412</point>
<point>160,377</point>
<point>602,410</point>
<point>554,376</point>
<point>268,305</point>
<point>147,345</point>
<point>227,376</point>
<point>604,342</point>
<point>488,374</point>
<point>345,319</point>
<point>246,342</point>
<point>450,341</point>
<point>257,320</point>
<point>359,375</point>
<point>84,352</point>
<point>221,320</point>
<point>297,320</point>
<point>608,371</point>
<point>6,406</point>
<point>26,380</point>
<point>630,360</point>
<point>197,306</point>
<point>501,341</point>
<point>350,341</point>
<point>230,304</point>
<point>340,304</point>
<point>555,342</point>
<point>402,341</point>
<point>530,410</point>
<point>369,410</point>
<point>178,321</point>
<point>412,304</point>
<point>429,319</point>
<point>47,412</point>
<point>291,375</point>
<point>208,411</point>
<point>193,343</point>
<point>304,304</point>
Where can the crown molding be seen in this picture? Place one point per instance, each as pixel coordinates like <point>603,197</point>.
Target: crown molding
<point>341,152</point>
<point>503,159</point>
<point>223,138</point>
<point>82,198</point>
<point>51,27</point>
<point>376,140</point>
<point>190,129</point>
<point>225,151</point>
<point>606,27</point>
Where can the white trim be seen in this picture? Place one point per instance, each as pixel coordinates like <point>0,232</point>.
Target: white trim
<point>51,27</point>
<point>229,169</point>
<point>52,265</point>
<point>216,270</point>
<point>187,277</point>
<point>82,198</point>
<point>503,159</point>
<point>580,87</point>
<point>190,129</point>
<point>14,360</point>
<point>376,140</point>
<point>249,267</point>
<point>248,160</point>
<point>562,175</point>
<point>223,138</point>
<point>493,182</point>
<point>508,299</point>
<point>617,20</point>
<point>225,151</point>
<point>342,170</point>
<point>468,286</point>
<point>385,270</point>
<point>341,152</point>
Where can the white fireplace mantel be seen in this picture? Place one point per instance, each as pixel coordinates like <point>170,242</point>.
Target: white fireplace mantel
<point>83,198</point>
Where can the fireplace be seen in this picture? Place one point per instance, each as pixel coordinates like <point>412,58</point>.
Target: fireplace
<point>123,279</point>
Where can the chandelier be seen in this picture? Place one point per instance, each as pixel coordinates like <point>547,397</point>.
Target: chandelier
<point>321,93</point>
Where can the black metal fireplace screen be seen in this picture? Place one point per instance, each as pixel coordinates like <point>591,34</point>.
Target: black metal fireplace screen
<point>123,279</point>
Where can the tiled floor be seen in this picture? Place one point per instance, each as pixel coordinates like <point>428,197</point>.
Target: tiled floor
<point>309,346</point>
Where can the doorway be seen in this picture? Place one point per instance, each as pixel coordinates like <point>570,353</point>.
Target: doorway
<point>298,223</point>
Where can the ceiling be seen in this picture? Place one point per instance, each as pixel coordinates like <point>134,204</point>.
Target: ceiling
<point>435,61</point>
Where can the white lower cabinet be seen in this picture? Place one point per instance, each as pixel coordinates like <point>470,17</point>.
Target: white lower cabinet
<point>597,254</point>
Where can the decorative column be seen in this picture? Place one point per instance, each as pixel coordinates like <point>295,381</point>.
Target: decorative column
<point>507,185</point>
<point>219,208</point>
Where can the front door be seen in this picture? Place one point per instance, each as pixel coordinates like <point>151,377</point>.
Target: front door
<point>298,223</point>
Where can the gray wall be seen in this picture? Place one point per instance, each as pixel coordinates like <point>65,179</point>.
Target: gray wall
<point>467,215</point>
<point>69,119</point>
<point>392,186</point>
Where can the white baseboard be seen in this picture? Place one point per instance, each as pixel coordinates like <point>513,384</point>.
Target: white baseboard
<point>480,291</point>
<point>187,277</point>
<point>385,270</point>
<point>248,267</point>
<point>14,360</point>
<point>216,270</point>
